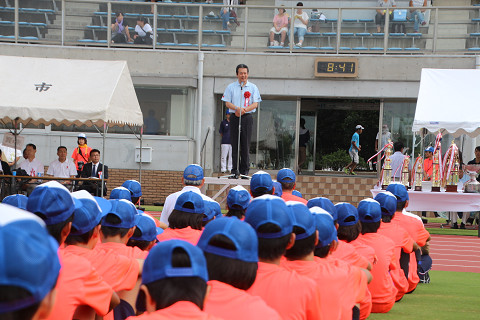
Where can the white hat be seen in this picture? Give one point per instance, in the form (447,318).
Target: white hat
(359,127)
(82,135)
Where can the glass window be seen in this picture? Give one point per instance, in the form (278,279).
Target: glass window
(273,141)
(165,112)
(398,116)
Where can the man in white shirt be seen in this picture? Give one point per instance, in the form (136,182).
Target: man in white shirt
(62,167)
(31,165)
(192,180)
(397,160)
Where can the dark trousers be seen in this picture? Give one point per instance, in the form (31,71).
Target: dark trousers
(380,19)
(245,139)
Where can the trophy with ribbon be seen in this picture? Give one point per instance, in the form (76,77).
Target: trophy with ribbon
(417,174)
(436,173)
(450,168)
(387,167)
(405,172)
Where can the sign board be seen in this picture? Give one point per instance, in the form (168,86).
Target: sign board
(9,141)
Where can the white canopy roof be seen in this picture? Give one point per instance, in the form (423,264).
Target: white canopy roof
(450,100)
(64,91)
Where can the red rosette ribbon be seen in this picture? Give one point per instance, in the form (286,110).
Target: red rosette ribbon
(247,95)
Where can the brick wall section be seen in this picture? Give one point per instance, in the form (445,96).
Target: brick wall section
(156,184)
(336,188)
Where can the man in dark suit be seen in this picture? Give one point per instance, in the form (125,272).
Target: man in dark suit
(94,169)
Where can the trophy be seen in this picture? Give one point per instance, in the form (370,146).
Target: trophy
(451,168)
(418,173)
(387,167)
(436,173)
(405,173)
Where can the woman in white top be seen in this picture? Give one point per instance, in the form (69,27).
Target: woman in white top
(144,32)
(300,24)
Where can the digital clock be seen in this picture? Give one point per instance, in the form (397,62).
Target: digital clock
(336,67)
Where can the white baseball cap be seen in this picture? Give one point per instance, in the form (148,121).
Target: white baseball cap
(359,127)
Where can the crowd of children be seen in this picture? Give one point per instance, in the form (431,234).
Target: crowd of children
(273,255)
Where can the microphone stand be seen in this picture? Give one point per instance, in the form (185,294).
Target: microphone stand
(237,174)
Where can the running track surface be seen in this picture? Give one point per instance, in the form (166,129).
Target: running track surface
(455,253)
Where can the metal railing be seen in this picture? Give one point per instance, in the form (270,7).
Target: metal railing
(200,26)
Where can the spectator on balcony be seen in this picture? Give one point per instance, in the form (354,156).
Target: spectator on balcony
(380,16)
(299,25)
(144,32)
(417,14)
(227,11)
(120,32)
(280,26)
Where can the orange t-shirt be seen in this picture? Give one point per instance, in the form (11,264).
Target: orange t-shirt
(79,284)
(295,297)
(157,222)
(348,253)
(180,310)
(288,196)
(340,285)
(420,235)
(231,303)
(120,272)
(122,249)
(84,157)
(427,168)
(187,234)
(368,253)
(381,287)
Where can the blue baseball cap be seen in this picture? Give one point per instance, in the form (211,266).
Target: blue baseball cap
(261,179)
(16,200)
(286,175)
(147,226)
(429,149)
(193,172)
(104,204)
(318,210)
(121,193)
(301,217)
(190,197)
(212,209)
(399,191)
(87,212)
(388,202)
(240,233)
(297,193)
(269,209)
(347,214)
(326,229)
(124,210)
(134,187)
(238,196)
(158,264)
(52,200)
(278,189)
(325,204)
(369,210)
(29,257)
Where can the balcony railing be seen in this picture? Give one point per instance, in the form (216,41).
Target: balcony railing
(199,26)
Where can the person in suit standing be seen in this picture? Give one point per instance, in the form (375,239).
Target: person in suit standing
(94,169)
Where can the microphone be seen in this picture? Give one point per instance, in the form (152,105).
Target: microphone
(241,86)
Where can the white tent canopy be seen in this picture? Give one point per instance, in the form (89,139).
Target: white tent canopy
(449,99)
(64,91)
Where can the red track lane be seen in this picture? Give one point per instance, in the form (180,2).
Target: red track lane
(455,253)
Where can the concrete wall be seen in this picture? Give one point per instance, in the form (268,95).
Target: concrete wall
(395,77)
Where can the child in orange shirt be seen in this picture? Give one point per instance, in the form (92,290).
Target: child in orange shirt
(238,200)
(347,232)
(185,221)
(30,266)
(79,283)
(174,282)
(287,179)
(230,247)
(338,273)
(145,234)
(136,194)
(382,288)
(294,296)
